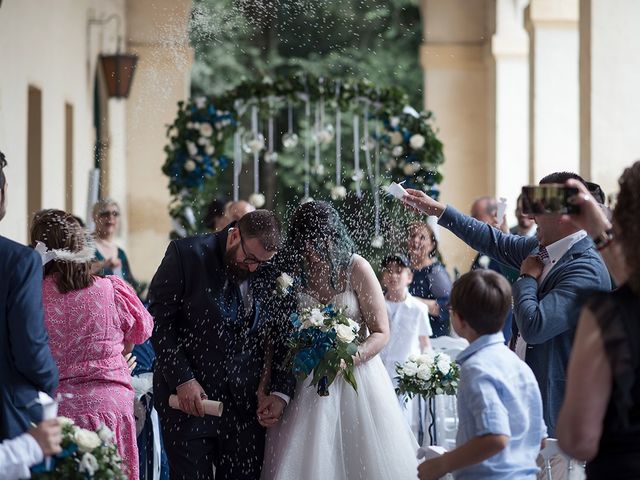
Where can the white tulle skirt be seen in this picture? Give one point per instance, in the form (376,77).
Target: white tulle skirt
(344,436)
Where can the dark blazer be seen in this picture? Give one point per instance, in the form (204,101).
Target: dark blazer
(26,364)
(202,332)
(546,314)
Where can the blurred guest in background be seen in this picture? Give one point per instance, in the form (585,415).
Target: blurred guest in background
(526,226)
(234,211)
(431,283)
(216,219)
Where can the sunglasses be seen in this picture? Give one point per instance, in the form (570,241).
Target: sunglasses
(109,213)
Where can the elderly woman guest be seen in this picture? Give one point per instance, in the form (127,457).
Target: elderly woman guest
(110,259)
(600,418)
(431,282)
(91,320)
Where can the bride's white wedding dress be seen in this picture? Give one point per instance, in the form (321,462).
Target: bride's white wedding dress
(346,435)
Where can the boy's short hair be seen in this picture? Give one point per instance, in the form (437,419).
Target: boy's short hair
(482,298)
(395,259)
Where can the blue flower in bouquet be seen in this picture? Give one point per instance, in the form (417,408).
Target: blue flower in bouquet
(324,344)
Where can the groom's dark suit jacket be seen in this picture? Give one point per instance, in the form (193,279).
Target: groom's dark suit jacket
(26,364)
(202,331)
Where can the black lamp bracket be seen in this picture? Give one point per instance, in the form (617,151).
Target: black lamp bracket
(101,22)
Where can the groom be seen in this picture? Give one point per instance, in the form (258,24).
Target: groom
(210,299)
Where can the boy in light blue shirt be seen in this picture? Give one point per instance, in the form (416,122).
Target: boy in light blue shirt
(501,427)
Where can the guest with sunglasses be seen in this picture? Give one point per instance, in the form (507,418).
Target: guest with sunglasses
(110,258)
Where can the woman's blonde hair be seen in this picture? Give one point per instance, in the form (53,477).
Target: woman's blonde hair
(102,205)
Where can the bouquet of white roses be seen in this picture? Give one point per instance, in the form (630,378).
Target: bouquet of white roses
(427,375)
(324,343)
(85,455)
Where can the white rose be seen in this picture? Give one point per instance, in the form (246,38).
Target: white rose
(345,333)
(192,148)
(338,192)
(105,434)
(355,326)
(410,368)
(396,138)
(257,200)
(88,464)
(87,440)
(425,359)
(306,324)
(206,130)
(395,121)
(397,151)
(416,141)
(189,165)
(284,281)
(209,150)
(424,372)
(201,102)
(414,358)
(316,318)
(65,421)
(444,365)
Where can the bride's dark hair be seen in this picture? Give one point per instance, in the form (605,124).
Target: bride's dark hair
(317,226)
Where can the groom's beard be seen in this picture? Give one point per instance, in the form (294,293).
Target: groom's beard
(235,272)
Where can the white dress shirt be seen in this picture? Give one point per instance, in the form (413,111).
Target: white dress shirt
(17,455)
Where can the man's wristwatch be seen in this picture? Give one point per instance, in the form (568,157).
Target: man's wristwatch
(603,240)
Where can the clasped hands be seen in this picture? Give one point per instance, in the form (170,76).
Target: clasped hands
(270,409)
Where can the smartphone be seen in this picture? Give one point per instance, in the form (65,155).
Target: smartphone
(548,199)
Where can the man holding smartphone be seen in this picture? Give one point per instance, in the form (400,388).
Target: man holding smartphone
(555,266)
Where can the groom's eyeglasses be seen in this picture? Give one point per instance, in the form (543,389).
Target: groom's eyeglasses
(250,259)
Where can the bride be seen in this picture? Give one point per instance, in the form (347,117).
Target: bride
(345,435)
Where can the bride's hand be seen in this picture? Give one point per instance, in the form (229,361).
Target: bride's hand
(270,410)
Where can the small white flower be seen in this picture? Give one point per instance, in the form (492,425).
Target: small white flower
(318,170)
(105,434)
(64,421)
(201,102)
(377,241)
(203,141)
(345,333)
(396,138)
(189,165)
(218,125)
(88,464)
(190,125)
(220,136)
(416,141)
(355,326)
(338,192)
(192,148)
(209,150)
(391,164)
(414,358)
(439,391)
(397,151)
(357,176)
(395,121)
(206,130)
(284,282)
(257,200)
(316,317)
(87,440)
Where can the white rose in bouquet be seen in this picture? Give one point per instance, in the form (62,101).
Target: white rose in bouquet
(425,359)
(345,333)
(105,434)
(88,464)
(65,421)
(355,326)
(416,141)
(316,318)
(410,369)
(424,371)
(414,358)
(444,365)
(284,282)
(87,440)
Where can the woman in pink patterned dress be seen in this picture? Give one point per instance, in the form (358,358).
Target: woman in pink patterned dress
(91,321)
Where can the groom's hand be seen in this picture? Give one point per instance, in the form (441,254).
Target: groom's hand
(270,410)
(190,395)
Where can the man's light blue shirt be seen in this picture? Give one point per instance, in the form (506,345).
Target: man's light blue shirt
(498,394)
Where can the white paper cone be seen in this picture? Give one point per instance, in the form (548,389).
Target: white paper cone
(502,207)
(396,190)
(211,407)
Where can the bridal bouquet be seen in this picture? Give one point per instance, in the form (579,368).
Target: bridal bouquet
(85,455)
(427,375)
(324,344)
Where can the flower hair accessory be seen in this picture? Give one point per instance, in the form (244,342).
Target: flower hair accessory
(85,255)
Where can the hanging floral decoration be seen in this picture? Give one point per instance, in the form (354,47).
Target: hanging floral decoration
(210,134)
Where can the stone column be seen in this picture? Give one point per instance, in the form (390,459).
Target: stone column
(510,48)
(458,88)
(609,83)
(553,98)
(157,33)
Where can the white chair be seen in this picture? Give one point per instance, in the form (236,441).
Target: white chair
(575,470)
